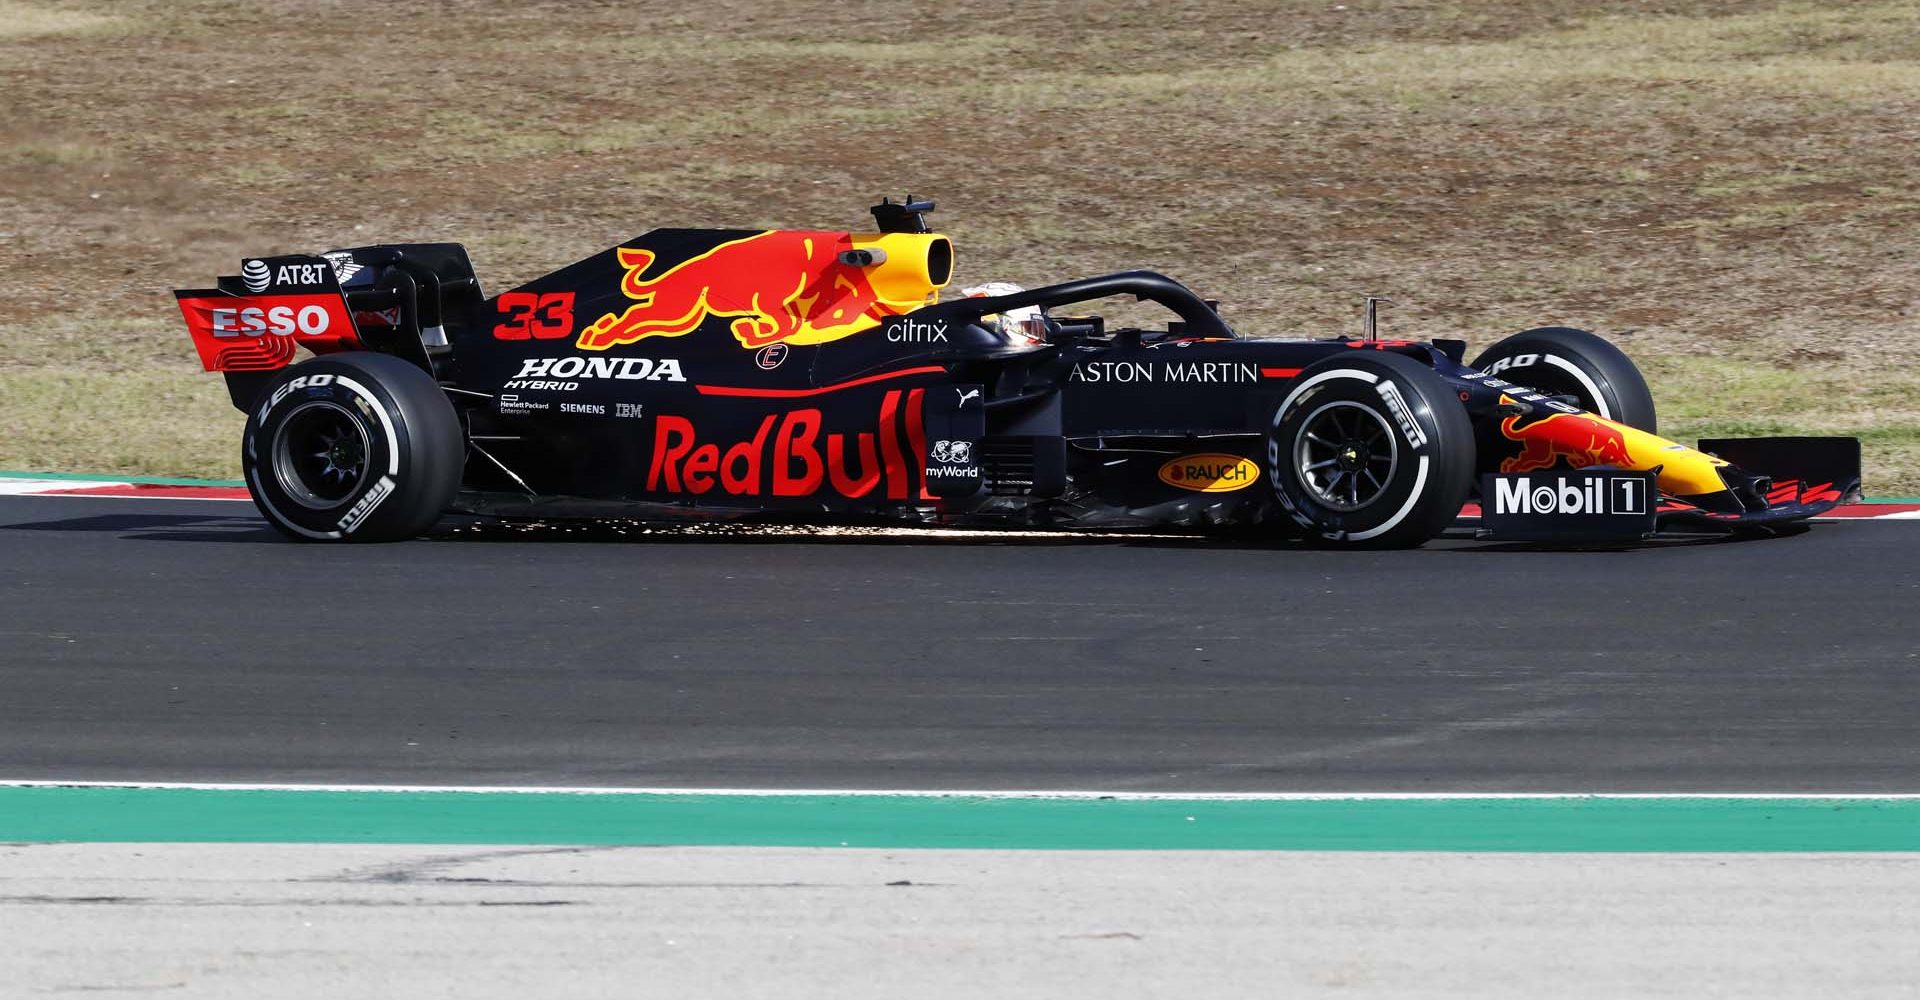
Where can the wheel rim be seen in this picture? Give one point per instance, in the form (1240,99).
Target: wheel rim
(1345,455)
(320,454)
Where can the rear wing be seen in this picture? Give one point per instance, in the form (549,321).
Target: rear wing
(253,321)
(400,299)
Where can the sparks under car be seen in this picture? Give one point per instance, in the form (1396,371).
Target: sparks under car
(822,375)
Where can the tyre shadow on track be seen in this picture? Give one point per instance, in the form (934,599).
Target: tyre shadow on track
(162,527)
(778,533)
(1669,541)
(1461,538)
(228,528)
(246,529)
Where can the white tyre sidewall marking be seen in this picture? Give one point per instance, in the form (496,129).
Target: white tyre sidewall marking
(1402,413)
(1420,469)
(1419,483)
(1586,382)
(260,497)
(393,462)
(1364,376)
(386,423)
(1274,457)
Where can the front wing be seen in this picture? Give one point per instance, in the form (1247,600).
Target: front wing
(1793,478)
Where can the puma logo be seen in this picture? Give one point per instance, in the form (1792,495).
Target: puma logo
(965,394)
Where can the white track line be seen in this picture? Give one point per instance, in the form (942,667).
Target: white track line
(917,793)
(32,487)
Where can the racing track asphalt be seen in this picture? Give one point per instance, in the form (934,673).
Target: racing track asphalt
(148,640)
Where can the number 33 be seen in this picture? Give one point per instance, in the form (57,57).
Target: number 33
(541,316)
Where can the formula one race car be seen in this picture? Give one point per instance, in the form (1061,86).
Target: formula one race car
(801,374)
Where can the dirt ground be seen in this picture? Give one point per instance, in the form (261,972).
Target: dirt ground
(1729,189)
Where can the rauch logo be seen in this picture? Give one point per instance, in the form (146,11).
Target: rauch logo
(1210,473)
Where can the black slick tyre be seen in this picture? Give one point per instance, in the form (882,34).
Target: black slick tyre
(1370,450)
(352,447)
(1563,361)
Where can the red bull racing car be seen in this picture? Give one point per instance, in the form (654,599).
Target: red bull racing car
(815,374)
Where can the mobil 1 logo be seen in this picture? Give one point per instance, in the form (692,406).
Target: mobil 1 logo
(1569,505)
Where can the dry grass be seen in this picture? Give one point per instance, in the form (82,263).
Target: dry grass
(1729,187)
(19,20)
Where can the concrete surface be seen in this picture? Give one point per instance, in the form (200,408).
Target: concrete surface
(247,921)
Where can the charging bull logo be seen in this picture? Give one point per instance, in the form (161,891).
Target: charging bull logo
(1579,438)
(781,286)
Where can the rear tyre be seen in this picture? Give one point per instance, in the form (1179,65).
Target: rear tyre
(352,447)
(1371,450)
(1563,361)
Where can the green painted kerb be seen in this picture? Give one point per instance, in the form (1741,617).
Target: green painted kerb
(1555,824)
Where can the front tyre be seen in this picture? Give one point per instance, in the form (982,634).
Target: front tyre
(1371,450)
(352,447)
(1563,361)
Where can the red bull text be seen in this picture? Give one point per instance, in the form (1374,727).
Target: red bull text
(791,454)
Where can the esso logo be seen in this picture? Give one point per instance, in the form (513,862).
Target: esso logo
(281,321)
(1516,361)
